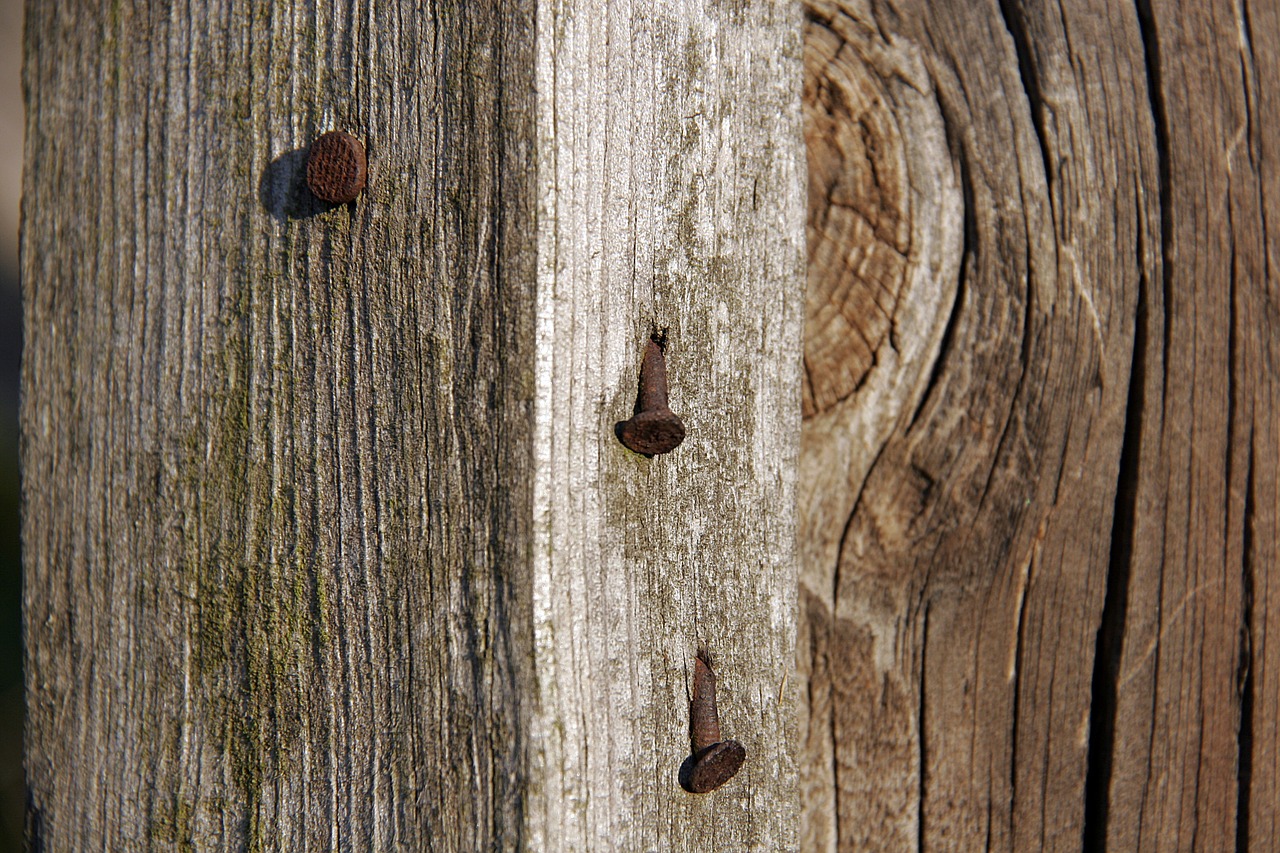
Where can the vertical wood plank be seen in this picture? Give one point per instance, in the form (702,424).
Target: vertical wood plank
(328,539)
(277,454)
(1037,577)
(670,183)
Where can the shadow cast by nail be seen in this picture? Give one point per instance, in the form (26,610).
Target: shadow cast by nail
(686,773)
(620,425)
(283,191)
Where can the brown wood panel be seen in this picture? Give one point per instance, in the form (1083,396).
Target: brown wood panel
(1035,577)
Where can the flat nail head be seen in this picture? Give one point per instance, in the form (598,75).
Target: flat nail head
(654,428)
(716,765)
(336,167)
(653,432)
(714,761)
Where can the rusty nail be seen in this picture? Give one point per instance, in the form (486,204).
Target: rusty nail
(336,167)
(714,761)
(654,428)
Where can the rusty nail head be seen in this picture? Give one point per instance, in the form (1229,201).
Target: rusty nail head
(714,761)
(336,167)
(654,428)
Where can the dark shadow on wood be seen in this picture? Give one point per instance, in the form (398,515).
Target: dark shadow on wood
(282,189)
(1111,630)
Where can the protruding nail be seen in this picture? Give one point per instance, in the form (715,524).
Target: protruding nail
(336,167)
(714,761)
(654,428)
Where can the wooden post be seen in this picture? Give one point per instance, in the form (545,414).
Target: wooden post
(1039,501)
(328,538)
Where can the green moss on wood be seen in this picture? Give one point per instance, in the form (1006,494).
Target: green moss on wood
(173,822)
(261,604)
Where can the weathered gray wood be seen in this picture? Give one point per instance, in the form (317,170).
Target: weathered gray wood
(328,540)
(1039,486)
(671,184)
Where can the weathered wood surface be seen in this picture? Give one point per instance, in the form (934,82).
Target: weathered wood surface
(328,540)
(671,175)
(1039,498)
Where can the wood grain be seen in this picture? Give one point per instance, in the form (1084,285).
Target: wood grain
(1035,573)
(671,177)
(277,455)
(1194,743)
(328,541)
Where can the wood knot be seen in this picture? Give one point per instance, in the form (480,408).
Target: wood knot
(859,234)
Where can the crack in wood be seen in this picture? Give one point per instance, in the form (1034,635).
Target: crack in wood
(1111,628)
(1244,675)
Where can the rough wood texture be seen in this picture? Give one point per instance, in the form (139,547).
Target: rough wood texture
(328,540)
(1039,497)
(671,169)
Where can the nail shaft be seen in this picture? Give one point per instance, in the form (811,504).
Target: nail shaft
(653,379)
(654,428)
(714,761)
(704,719)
